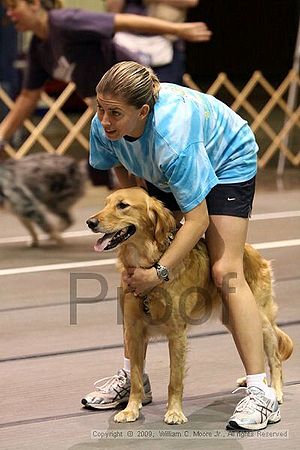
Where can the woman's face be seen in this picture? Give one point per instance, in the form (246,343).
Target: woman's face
(120,119)
(21,13)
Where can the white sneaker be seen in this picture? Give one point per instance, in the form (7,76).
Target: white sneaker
(254,412)
(113,391)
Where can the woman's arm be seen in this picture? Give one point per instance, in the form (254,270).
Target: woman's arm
(124,178)
(196,222)
(194,32)
(195,225)
(127,179)
(22,109)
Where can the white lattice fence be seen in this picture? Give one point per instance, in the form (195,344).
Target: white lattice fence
(259,120)
(36,132)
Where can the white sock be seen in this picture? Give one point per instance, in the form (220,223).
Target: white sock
(126,366)
(259,380)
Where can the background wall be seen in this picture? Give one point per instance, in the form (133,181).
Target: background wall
(93,5)
(248,35)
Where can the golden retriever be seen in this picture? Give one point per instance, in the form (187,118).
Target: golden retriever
(141,228)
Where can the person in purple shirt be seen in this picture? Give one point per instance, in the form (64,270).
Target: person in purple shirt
(170,71)
(75,45)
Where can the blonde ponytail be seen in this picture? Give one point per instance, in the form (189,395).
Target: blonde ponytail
(136,84)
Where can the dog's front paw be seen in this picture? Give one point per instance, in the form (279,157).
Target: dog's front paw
(279,395)
(58,240)
(127,415)
(174,417)
(33,244)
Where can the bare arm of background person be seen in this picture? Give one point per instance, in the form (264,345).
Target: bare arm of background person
(190,31)
(22,109)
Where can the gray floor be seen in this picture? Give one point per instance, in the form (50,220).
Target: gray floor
(47,364)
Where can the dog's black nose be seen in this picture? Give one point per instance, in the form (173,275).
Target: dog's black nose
(92,223)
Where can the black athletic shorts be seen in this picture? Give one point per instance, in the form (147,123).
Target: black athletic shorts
(233,199)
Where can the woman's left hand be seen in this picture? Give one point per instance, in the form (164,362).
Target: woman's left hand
(140,280)
(193,31)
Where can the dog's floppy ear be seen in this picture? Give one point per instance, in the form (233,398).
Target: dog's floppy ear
(161,218)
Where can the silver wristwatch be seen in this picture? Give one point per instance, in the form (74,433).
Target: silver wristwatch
(162,272)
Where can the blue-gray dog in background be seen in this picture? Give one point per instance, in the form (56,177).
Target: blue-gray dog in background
(40,190)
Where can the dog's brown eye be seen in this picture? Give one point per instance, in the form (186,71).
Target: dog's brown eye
(122,205)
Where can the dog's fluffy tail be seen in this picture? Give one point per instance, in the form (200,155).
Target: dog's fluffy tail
(285,344)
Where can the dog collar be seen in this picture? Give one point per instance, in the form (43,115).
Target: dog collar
(171,236)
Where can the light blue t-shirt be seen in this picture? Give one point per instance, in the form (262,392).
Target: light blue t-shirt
(190,143)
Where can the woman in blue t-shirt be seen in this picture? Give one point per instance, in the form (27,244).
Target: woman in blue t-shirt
(76,45)
(199,157)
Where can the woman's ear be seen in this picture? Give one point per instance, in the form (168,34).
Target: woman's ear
(144,111)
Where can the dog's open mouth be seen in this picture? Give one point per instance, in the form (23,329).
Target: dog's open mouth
(110,241)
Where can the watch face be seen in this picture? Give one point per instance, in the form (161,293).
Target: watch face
(164,273)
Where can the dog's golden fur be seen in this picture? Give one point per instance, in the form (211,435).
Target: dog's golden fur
(190,294)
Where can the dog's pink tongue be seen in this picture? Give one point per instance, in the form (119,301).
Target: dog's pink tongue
(102,242)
